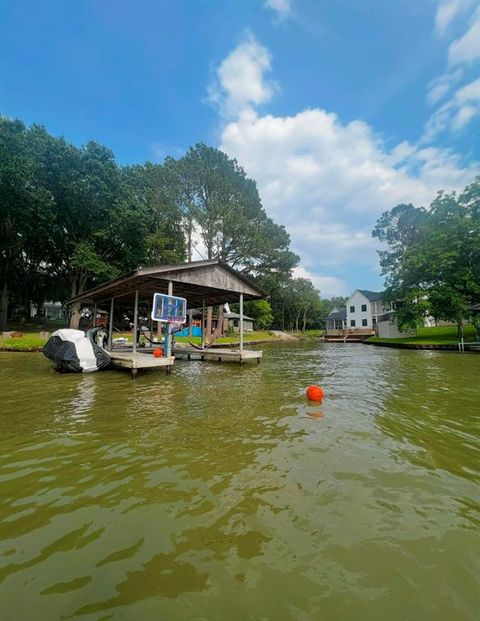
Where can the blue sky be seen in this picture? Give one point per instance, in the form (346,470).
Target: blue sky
(339,110)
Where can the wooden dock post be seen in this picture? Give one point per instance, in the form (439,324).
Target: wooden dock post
(110,327)
(135,321)
(241,327)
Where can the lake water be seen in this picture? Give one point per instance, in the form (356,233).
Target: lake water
(218,493)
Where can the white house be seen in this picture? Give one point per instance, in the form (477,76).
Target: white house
(363,309)
(49,310)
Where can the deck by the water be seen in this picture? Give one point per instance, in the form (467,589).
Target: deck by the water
(218,354)
(126,359)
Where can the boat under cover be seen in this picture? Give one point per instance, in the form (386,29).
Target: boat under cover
(70,350)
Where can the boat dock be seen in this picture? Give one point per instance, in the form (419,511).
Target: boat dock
(140,360)
(200,284)
(218,354)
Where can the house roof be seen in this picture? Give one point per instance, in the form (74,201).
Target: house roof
(211,282)
(372,296)
(237,316)
(337,314)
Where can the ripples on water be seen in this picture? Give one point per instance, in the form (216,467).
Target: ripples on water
(219,493)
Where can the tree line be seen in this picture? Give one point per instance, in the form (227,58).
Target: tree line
(72,218)
(432,258)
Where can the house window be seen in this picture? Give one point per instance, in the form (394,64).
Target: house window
(364,322)
(352,323)
(364,308)
(352,309)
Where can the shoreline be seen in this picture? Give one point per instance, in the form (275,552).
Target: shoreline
(428,346)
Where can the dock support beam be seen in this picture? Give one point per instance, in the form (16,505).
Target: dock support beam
(167,348)
(135,321)
(94,321)
(110,327)
(203,324)
(241,325)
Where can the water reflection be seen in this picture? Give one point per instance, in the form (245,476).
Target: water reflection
(84,400)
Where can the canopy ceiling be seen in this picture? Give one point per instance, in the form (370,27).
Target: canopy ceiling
(211,282)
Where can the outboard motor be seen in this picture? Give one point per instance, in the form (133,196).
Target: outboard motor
(71,350)
(97,335)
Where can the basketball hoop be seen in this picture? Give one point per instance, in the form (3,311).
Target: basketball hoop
(171,310)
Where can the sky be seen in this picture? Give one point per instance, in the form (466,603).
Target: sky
(339,110)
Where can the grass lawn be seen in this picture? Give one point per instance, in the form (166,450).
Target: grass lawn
(308,334)
(431,336)
(28,342)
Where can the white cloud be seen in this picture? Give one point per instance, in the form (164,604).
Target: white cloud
(328,181)
(439,87)
(446,13)
(329,286)
(282,8)
(463,104)
(457,112)
(467,48)
(463,117)
(240,81)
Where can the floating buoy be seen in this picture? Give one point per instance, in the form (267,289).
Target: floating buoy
(158,352)
(315,393)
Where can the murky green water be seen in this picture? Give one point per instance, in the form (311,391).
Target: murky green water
(217,494)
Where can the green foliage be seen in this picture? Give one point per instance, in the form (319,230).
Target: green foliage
(223,206)
(72,218)
(432,260)
(261,312)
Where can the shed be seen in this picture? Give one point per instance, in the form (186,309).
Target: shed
(233,321)
(387,327)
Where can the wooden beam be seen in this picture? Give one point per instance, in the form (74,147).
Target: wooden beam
(135,321)
(241,324)
(110,326)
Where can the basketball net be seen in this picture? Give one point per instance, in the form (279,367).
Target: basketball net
(175,325)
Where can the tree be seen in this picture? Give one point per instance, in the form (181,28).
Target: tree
(261,312)
(27,214)
(222,204)
(156,189)
(72,218)
(305,302)
(432,259)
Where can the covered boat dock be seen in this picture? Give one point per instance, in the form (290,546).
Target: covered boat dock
(201,283)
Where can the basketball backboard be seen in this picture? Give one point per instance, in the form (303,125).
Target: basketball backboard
(169,308)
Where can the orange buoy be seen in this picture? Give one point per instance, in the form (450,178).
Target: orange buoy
(315,393)
(158,352)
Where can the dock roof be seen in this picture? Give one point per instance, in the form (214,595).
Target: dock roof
(211,282)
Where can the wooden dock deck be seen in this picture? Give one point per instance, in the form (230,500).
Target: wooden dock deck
(127,359)
(218,354)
